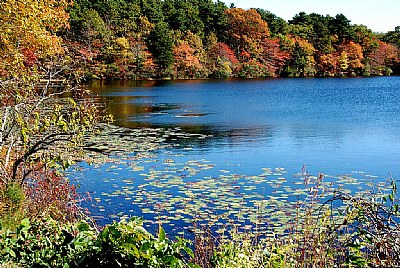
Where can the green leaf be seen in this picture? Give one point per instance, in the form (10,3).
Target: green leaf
(161,234)
(25,223)
(24,134)
(12,253)
(83,226)
(192,265)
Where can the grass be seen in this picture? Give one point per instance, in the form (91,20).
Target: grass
(12,208)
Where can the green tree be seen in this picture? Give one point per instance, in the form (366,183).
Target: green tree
(300,30)
(161,46)
(393,37)
(366,38)
(276,24)
(318,33)
(120,16)
(214,18)
(302,63)
(183,15)
(340,26)
(151,9)
(93,29)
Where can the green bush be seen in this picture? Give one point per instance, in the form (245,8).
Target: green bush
(44,243)
(130,245)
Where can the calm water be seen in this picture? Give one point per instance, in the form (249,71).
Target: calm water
(334,126)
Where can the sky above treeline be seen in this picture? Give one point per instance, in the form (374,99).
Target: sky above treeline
(378,15)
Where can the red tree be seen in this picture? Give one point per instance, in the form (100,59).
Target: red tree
(221,60)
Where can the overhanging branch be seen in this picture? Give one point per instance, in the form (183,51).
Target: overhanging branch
(39,146)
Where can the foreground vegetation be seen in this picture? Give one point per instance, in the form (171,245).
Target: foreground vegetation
(342,231)
(43,242)
(45,120)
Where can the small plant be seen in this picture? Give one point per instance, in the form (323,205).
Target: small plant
(12,200)
(374,221)
(50,194)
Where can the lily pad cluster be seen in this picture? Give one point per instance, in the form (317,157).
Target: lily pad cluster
(136,172)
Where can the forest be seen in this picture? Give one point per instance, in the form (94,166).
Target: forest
(183,39)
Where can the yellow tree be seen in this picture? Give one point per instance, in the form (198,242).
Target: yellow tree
(343,61)
(329,65)
(189,56)
(354,57)
(27,32)
(302,62)
(39,130)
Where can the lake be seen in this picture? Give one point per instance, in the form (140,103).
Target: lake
(246,136)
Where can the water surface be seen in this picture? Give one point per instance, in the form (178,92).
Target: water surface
(337,126)
(333,125)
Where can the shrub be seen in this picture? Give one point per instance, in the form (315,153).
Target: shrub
(45,243)
(128,244)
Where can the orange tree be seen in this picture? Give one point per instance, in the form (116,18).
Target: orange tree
(246,30)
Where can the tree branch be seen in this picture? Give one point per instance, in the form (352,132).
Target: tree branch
(3,125)
(38,146)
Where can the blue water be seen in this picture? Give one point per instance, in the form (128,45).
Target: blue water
(336,126)
(333,125)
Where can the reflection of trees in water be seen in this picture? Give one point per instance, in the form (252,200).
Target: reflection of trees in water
(134,104)
(129,110)
(126,109)
(213,137)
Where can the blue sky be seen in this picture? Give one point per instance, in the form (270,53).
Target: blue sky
(378,15)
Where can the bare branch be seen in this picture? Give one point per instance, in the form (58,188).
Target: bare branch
(9,151)
(39,146)
(3,125)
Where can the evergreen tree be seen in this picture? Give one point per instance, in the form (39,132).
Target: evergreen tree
(161,45)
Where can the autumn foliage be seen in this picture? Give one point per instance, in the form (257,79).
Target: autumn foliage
(43,113)
(27,32)
(386,56)
(189,39)
(246,29)
(221,61)
(198,39)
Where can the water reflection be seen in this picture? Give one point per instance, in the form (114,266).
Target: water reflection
(335,125)
(135,109)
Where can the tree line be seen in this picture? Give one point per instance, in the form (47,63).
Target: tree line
(141,39)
